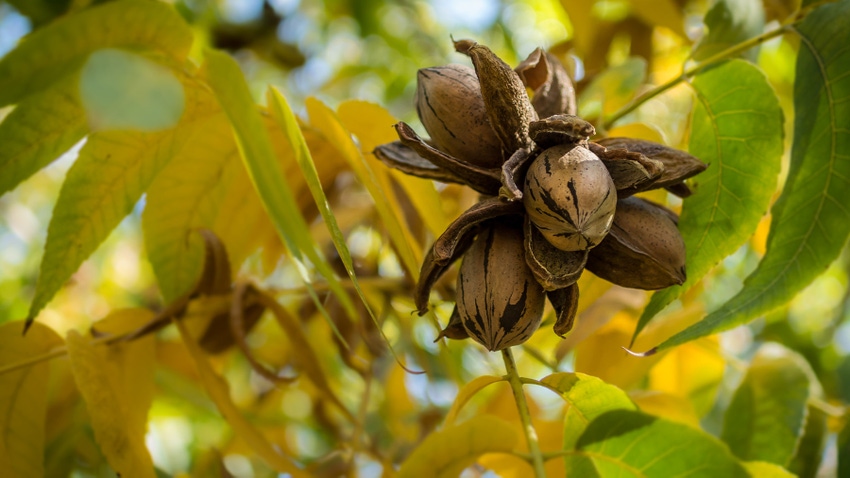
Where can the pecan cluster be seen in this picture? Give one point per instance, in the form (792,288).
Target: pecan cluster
(553,202)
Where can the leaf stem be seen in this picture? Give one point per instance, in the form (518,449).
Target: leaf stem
(693,70)
(524,415)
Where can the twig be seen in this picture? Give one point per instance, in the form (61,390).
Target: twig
(524,415)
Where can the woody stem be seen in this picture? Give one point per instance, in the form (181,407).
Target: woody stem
(524,415)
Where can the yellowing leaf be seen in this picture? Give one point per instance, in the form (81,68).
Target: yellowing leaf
(467,392)
(447,452)
(375,180)
(664,13)
(587,398)
(187,195)
(123,90)
(763,469)
(372,125)
(49,54)
(38,131)
(132,364)
(23,399)
(267,174)
(219,392)
(613,88)
(583,23)
(693,371)
(637,131)
(666,405)
(106,377)
(112,172)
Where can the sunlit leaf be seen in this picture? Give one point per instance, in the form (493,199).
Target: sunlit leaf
(467,392)
(583,23)
(738,133)
(51,53)
(23,399)
(267,173)
(693,371)
(730,22)
(630,443)
(373,126)
(219,391)
(447,452)
(38,131)
(809,452)
(186,196)
(667,406)
(664,13)
(767,415)
(811,220)
(763,469)
(131,365)
(106,382)
(375,180)
(112,172)
(612,89)
(637,131)
(587,397)
(123,90)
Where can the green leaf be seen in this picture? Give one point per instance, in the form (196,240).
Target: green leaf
(38,131)
(376,182)
(807,457)
(445,453)
(102,187)
(844,451)
(730,22)
(23,398)
(767,415)
(630,443)
(811,220)
(267,174)
(467,392)
(738,132)
(123,90)
(588,397)
(612,89)
(49,54)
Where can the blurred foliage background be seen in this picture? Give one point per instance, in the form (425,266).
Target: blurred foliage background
(370,50)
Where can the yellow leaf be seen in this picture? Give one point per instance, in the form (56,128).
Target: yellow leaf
(219,392)
(110,175)
(447,452)
(666,405)
(23,399)
(38,131)
(583,23)
(116,383)
(763,469)
(376,181)
(692,371)
(188,195)
(664,13)
(637,131)
(400,413)
(132,363)
(467,392)
(49,54)
(372,125)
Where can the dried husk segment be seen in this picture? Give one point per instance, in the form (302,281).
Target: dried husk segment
(499,302)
